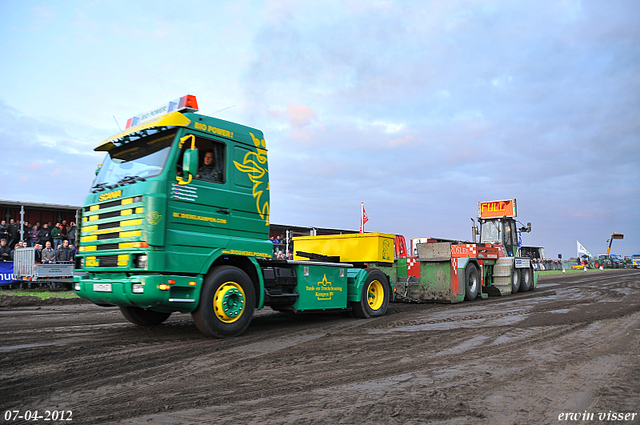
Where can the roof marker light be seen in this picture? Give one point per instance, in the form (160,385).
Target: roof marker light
(186,103)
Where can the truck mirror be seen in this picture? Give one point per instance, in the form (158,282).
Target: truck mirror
(528,227)
(190,162)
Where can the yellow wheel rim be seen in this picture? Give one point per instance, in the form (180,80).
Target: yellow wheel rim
(375,295)
(228,302)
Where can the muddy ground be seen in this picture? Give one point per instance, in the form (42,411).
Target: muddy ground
(572,346)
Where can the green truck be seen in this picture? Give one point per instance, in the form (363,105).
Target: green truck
(177,220)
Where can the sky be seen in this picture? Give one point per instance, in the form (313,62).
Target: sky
(420,109)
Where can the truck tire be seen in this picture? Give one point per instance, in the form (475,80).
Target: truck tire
(226,303)
(526,279)
(375,296)
(141,317)
(471,283)
(515,280)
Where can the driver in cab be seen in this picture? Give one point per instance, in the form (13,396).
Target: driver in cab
(207,171)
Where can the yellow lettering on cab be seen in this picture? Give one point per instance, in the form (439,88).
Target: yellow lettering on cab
(110,195)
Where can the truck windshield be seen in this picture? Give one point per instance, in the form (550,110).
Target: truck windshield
(134,161)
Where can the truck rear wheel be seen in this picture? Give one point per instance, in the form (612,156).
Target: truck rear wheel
(141,317)
(515,280)
(374,297)
(526,279)
(471,283)
(226,303)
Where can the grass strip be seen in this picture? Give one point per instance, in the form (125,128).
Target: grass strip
(42,293)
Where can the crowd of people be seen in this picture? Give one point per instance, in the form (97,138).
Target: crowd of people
(540,264)
(279,248)
(53,244)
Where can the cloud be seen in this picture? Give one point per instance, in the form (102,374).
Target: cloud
(42,166)
(301,117)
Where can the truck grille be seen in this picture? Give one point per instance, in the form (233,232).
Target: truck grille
(111,226)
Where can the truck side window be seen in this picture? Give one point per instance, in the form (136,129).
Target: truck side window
(211,160)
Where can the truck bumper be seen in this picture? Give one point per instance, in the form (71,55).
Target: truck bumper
(157,292)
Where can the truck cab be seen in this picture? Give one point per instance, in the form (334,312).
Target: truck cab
(158,217)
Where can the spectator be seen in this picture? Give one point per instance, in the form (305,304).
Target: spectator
(276,246)
(38,254)
(48,253)
(33,236)
(18,245)
(56,235)
(64,230)
(5,251)
(25,230)
(14,232)
(4,230)
(64,253)
(72,233)
(44,234)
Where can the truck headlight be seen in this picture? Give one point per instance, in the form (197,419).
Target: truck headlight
(76,286)
(141,261)
(137,288)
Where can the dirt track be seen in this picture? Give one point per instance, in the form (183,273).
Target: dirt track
(572,346)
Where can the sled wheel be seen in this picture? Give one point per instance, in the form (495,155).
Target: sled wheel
(226,303)
(471,282)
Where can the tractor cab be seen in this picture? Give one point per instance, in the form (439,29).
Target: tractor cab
(500,231)
(498,225)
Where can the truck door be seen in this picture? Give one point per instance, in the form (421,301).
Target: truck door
(199,209)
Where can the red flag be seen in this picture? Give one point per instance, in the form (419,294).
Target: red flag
(363,218)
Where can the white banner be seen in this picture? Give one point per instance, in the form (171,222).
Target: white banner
(582,250)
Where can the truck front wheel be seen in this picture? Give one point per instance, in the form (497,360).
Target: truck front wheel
(226,303)
(141,317)
(374,297)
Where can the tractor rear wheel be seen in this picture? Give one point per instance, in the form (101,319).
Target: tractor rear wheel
(515,280)
(526,279)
